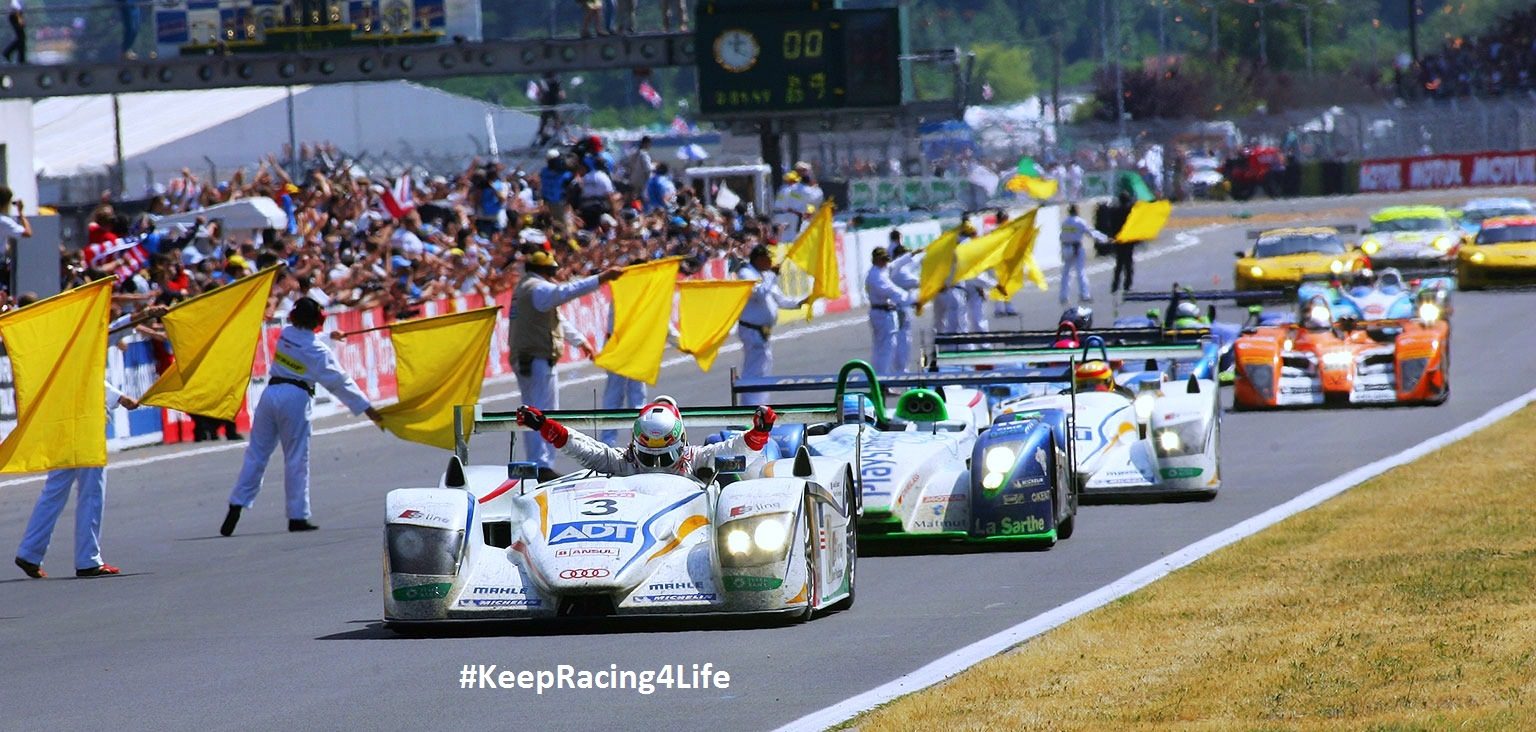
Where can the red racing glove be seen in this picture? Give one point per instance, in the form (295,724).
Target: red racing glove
(551,430)
(762,422)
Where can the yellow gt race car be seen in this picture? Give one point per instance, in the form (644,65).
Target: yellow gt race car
(1282,258)
(1504,253)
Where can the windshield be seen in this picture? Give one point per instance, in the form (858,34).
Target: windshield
(1298,244)
(1483,214)
(1506,234)
(1415,223)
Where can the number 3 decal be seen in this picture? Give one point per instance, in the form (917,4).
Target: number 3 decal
(600,507)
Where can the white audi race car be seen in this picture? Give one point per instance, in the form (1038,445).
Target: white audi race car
(489,542)
(935,466)
(1157,432)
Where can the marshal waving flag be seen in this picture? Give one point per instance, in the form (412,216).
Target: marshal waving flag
(815,252)
(58,351)
(707,311)
(938,265)
(213,337)
(1018,262)
(439,364)
(642,307)
(985,252)
(1145,221)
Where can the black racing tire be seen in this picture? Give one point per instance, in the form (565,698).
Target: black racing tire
(852,545)
(1066,527)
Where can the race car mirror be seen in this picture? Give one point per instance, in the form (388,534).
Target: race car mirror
(519,470)
(1240,255)
(730,463)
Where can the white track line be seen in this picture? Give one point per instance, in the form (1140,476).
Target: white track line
(975,653)
(1186,240)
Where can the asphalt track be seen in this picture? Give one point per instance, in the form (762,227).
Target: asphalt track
(269,629)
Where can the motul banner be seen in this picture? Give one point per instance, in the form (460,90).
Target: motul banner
(1449,171)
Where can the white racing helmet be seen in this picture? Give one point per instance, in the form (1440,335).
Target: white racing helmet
(659,437)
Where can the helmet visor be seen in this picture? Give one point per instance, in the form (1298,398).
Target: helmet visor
(659,460)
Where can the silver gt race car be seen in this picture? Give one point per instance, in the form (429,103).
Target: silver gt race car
(489,542)
(935,466)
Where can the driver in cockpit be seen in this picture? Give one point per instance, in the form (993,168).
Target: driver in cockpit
(658,444)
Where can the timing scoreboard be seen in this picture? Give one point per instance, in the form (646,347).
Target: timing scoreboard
(768,56)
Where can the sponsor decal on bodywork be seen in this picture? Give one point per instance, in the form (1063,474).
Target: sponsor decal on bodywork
(585,573)
(588,551)
(1181,472)
(742,583)
(578,531)
(683,597)
(432,591)
(501,602)
(414,514)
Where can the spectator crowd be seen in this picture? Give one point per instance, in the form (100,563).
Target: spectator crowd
(1498,62)
(351,240)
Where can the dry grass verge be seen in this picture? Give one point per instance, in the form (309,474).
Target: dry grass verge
(1407,603)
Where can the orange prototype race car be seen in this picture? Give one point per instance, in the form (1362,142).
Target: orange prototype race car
(1317,361)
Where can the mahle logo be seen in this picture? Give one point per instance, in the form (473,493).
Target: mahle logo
(752,584)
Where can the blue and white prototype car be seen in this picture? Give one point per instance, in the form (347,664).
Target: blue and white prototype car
(936,466)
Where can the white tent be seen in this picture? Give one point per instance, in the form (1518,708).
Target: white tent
(229,128)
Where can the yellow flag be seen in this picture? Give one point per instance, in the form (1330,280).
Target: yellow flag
(938,264)
(1040,189)
(214,338)
(642,307)
(985,252)
(439,364)
(1018,262)
(815,251)
(707,311)
(58,350)
(1145,222)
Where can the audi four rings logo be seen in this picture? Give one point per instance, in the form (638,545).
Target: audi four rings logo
(588,573)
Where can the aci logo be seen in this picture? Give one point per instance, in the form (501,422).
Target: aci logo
(567,533)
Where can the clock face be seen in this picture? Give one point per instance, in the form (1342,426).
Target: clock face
(736,50)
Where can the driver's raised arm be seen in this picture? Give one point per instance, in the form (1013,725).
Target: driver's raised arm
(591,454)
(742,443)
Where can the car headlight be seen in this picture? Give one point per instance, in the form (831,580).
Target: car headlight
(1338,359)
(1320,313)
(1143,405)
(770,535)
(756,541)
(1287,345)
(1478,257)
(1256,271)
(1429,312)
(738,542)
(1444,243)
(1169,441)
(1336,266)
(1370,246)
(999,459)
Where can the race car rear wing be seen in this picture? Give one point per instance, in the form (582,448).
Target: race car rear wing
(912,380)
(1174,351)
(471,420)
(945,342)
(1177,294)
